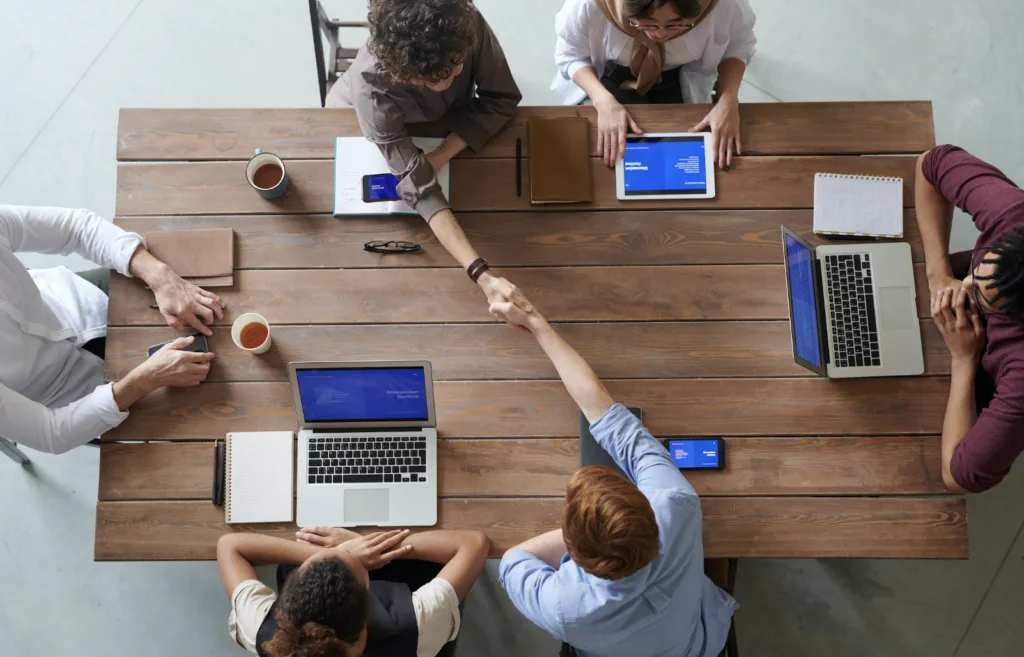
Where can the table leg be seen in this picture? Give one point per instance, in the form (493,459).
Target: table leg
(8,448)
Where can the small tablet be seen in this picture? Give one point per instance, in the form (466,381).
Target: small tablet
(666,166)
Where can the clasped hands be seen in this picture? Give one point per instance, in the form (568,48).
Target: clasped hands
(372,550)
(958,320)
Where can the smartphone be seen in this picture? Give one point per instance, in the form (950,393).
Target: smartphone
(379,187)
(697,453)
(198,345)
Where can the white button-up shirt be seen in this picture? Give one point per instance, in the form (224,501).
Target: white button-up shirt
(585,37)
(52,396)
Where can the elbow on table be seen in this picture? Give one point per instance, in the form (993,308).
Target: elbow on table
(950,481)
(479,543)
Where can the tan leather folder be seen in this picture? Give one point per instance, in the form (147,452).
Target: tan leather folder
(205,257)
(559,160)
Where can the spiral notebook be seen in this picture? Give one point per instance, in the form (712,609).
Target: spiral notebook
(259,472)
(861,206)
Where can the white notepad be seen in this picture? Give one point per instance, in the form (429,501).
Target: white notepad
(355,157)
(259,472)
(867,206)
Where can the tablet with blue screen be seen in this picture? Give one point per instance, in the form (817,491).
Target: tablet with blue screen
(666,166)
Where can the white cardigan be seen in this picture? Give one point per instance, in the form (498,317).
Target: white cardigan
(587,38)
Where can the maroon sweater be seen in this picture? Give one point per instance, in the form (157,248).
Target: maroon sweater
(985,455)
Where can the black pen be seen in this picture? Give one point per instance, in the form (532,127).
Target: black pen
(519,166)
(216,470)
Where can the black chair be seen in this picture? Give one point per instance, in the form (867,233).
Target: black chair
(337,59)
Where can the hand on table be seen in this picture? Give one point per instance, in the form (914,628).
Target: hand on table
(373,550)
(184,304)
(724,120)
(170,366)
(938,285)
(613,123)
(959,325)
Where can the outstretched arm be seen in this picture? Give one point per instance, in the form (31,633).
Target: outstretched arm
(935,221)
(581,382)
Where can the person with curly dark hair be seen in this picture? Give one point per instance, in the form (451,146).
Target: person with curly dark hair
(974,295)
(345,595)
(431,61)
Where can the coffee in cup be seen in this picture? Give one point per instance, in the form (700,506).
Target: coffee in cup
(251,333)
(267,175)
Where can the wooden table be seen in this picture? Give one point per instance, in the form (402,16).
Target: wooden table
(680,306)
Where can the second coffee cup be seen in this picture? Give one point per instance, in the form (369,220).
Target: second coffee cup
(251,333)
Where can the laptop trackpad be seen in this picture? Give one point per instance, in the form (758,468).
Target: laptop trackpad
(367,506)
(896,308)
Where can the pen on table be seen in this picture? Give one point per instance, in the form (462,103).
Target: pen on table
(519,166)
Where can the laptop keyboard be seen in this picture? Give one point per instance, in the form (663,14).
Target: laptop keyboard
(854,325)
(367,460)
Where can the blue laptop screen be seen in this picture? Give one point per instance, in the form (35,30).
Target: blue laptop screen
(363,395)
(664,165)
(806,338)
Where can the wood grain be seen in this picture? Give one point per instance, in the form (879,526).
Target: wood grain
(768,129)
(480,185)
(628,350)
(903,465)
(543,409)
(271,241)
(766,527)
(446,295)
(563,294)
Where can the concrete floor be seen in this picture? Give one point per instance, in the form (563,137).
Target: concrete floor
(68,67)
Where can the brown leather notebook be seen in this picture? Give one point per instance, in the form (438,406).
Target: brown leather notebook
(559,160)
(205,257)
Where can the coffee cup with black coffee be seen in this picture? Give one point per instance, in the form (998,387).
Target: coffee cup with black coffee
(266,173)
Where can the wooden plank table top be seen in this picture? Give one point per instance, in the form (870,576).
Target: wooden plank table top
(679,305)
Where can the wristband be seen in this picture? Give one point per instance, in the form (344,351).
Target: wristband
(476,268)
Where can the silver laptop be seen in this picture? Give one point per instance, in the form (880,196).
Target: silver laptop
(367,444)
(853,308)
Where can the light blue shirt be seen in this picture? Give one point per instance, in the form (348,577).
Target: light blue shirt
(668,607)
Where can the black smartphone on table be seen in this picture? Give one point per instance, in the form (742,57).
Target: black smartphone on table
(379,187)
(697,453)
(198,345)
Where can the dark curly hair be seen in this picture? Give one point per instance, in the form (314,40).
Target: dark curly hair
(421,39)
(322,611)
(1008,277)
(644,8)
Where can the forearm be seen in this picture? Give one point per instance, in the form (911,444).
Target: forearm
(549,547)
(238,554)
(452,238)
(134,386)
(934,221)
(577,376)
(463,553)
(730,75)
(437,546)
(147,268)
(961,414)
(586,79)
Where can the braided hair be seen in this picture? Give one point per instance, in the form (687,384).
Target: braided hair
(1008,277)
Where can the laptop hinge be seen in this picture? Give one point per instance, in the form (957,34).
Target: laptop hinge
(819,290)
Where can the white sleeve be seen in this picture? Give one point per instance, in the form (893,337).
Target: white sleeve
(250,604)
(66,231)
(437,616)
(572,44)
(58,430)
(742,40)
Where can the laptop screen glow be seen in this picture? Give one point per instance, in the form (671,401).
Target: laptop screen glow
(801,265)
(363,395)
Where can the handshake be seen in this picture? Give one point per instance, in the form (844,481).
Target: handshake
(508,304)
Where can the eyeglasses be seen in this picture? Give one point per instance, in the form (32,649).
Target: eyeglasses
(654,27)
(391,246)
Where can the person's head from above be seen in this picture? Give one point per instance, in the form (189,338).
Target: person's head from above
(662,20)
(996,279)
(422,42)
(607,524)
(323,609)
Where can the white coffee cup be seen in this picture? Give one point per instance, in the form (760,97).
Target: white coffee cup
(244,321)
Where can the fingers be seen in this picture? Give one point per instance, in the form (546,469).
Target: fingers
(729,146)
(623,130)
(946,308)
(203,313)
(520,300)
(198,356)
(173,322)
(391,539)
(716,143)
(312,539)
(633,126)
(976,325)
(500,308)
(193,321)
(960,310)
(723,148)
(700,127)
(739,145)
(179,343)
(397,553)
